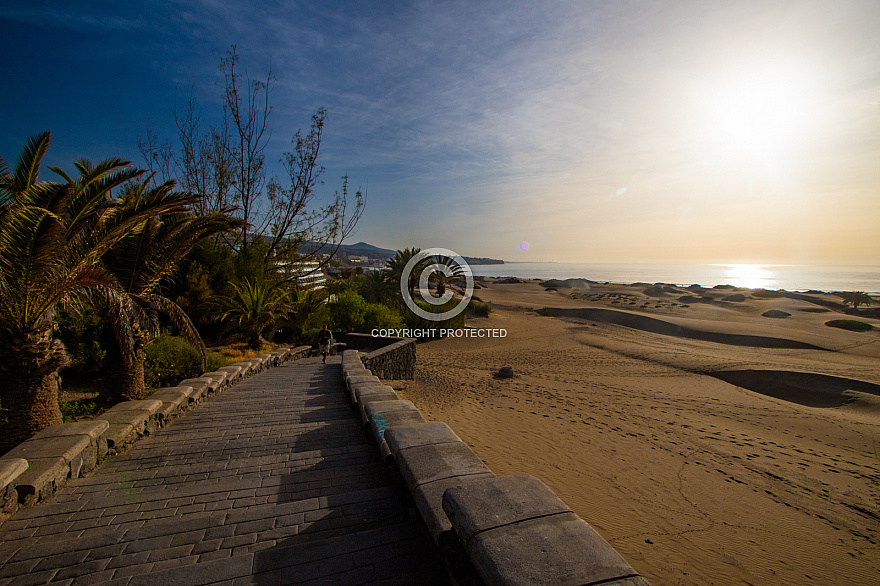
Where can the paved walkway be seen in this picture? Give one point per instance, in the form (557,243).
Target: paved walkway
(270,482)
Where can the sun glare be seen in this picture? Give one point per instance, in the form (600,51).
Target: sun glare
(760,113)
(750,276)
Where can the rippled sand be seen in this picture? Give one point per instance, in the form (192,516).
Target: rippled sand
(702,462)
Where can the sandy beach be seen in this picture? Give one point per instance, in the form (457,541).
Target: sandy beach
(707,443)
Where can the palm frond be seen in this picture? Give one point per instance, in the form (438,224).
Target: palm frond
(28,168)
(182,322)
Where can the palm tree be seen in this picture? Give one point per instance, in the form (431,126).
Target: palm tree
(856,298)
(52,236)
(458,273)
(397,263)
(140,262)
(374,287)
(254,306)
(304,302)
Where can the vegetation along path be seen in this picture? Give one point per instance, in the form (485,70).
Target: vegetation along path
(272,481)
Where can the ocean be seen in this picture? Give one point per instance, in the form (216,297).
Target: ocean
(789,277)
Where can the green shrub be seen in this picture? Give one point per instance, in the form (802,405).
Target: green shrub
(479,308)
(85,339)
(776,313)
(73,409)
(381,316)
(170,359)
(416,322)
(766,294)
(850,324)
(347,312)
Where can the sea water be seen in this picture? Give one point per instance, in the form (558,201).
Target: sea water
(789,277)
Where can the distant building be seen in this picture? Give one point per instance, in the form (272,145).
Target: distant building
(308,274)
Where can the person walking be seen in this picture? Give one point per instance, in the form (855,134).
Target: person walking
(324,342)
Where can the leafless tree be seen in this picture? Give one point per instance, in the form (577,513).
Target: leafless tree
(226,167)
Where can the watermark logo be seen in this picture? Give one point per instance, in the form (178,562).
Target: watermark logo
(459,269)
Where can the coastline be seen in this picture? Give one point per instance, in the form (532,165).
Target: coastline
(700,459)
(789,277)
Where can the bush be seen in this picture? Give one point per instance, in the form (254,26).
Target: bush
(850,324)
(381,316)
(351,313)
(71,410)
(347,312)
(85,339)
(776,313)
(766,294)
(415,322)
(479,308)
(170,359)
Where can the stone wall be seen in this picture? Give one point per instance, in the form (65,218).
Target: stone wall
(488,529)
(387,358)
(35,469)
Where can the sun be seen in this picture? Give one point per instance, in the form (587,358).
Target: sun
(760,113)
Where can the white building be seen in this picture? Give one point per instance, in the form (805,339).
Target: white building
(309,274)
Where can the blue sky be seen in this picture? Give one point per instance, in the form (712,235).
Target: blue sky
(595,131)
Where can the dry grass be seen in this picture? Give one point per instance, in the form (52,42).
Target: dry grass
(237,352)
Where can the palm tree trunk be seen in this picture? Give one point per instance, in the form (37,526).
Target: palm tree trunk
(255,342)
(124,378)
(29,390)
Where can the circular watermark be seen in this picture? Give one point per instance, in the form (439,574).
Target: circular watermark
(462,270)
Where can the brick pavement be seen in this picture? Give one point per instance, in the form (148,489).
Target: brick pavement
(272,481)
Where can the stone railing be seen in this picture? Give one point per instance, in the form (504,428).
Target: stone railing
(38,467)
(494,530)
(388,358)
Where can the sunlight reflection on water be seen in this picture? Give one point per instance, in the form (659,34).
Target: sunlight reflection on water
(750,276)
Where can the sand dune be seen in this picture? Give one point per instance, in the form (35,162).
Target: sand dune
(702,462)
(804,388)
(658,326)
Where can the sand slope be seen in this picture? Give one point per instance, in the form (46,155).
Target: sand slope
(701,462)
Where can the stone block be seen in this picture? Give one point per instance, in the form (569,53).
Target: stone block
(186,390)
(10,470)
(382,422)
(422,464)
(380,393)
(233,373)
(130,420)
(200,388)
(370,408)
(428,499)
(559,549)
(256,364)
(94,429)
(69,448)
(212,383)
(150,405)
(364,386)
(350,379)
(299,352)
(498,502)
(217,374)
(420,434)
(174,402)
(42,477)
(247,368)
(120,435)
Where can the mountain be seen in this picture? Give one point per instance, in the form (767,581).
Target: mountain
(368,247)
(375,253)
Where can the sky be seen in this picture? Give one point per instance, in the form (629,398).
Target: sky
(579,131)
